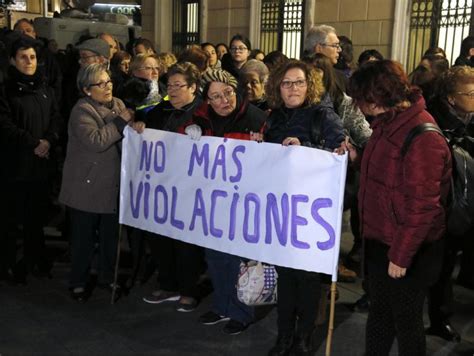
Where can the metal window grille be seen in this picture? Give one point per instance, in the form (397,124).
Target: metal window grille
(185,24)
(438,23)
(282,26)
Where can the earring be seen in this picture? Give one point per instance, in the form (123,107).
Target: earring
(89,94)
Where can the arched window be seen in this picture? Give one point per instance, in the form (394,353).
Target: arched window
(438,23)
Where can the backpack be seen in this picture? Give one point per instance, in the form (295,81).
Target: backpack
(460,213)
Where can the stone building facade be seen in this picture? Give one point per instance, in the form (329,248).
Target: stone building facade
(380,24)
(369,23)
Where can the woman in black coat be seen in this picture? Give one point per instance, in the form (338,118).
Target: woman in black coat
(29,127)
(453,107)
(180,264)
(300,115)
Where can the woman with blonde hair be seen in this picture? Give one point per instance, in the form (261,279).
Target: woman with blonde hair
(142,91)
(301,115)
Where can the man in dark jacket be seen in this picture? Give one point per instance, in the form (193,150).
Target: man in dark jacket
(323,39)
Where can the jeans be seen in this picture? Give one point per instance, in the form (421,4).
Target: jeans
(224,269)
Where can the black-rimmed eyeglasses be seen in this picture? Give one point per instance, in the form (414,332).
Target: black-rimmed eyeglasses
(101,85)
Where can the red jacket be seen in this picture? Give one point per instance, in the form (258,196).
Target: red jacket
(402,200)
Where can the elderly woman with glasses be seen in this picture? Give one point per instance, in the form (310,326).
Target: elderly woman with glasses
(180,263)
(142,92)
(90,184)
(225,113)
(453,109)
(301,115)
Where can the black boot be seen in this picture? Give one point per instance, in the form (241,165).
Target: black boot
(444,330)
(282,346)
(303,345)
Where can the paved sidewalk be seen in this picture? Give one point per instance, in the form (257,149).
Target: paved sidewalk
(41,319)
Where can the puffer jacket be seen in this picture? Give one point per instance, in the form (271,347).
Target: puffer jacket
(91,173)
(402,200)
(283,123)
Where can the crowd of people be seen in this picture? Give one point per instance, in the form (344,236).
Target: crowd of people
(62,116)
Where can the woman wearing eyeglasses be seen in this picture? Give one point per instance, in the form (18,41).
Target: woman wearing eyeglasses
(225,113)
(142,91)
(91,174)
(180,263)
(453,109)
(239,52)
(301,115)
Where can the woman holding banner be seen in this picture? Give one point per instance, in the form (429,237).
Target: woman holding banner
(91,175)
(225,113)
(402,204)
(179,263)
(301,115)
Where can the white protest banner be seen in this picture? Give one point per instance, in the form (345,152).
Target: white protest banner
(262,201)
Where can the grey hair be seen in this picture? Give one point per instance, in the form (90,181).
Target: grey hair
(88,75)
(317,35)
(256,66)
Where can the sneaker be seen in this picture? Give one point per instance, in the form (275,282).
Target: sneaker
(211,318)
(234,327)
(187,307)
(161,296)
